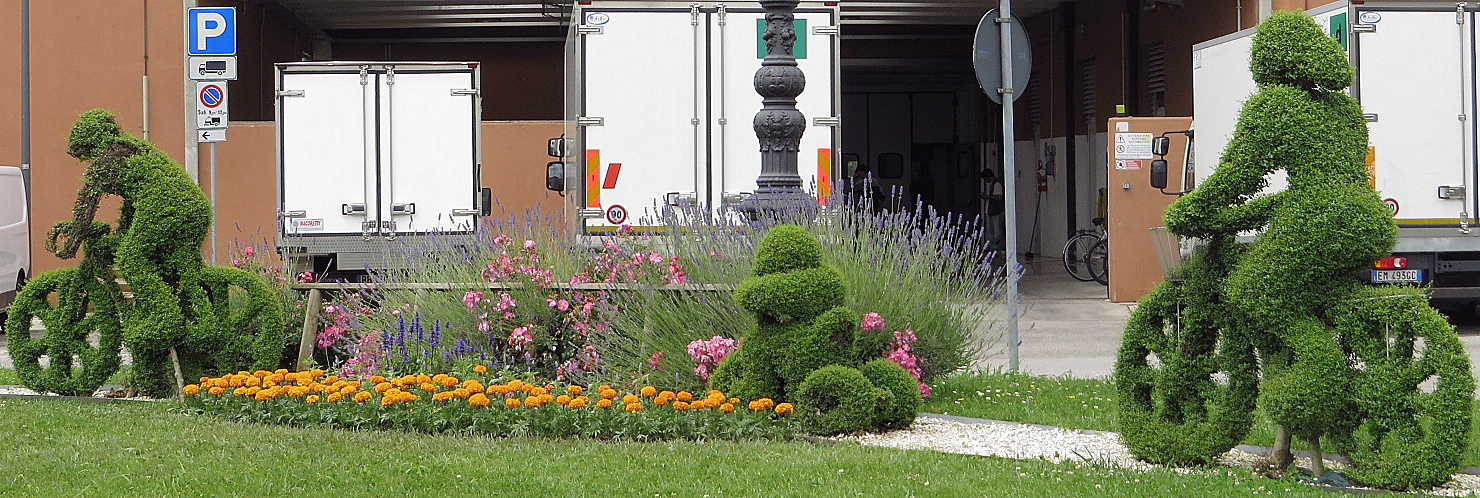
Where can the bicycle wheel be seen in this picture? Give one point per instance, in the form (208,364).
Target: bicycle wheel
(1075,250)
(86,305)
(1097,261)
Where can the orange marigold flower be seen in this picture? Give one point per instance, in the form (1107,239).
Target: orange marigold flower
(516,384)
(727,407)
(312,398)
(533,402)
(634,407)
(376,379)
(685,396)
(333,397)
(261,373)
(437,379)
(668,394)
(265,395)
(661,400)
(538,391)
(462,392)
(191,390)
(423,378)
(250,381)
(388,400)
(450,381)
(604,403)
(204,380)
(629,399)
(217,390)
(442,397)
(383,387)
(512,402)
(574,390)
(783,408)
(274,378)
(428,387)
(480,369)
(734,401)
(578,402)
(362,396)
(563,399)
(648,391)
(608,394)
(479,400)
(473,385)
(298,391)
(680,405)
(281,371)
(240,391)
(332,379)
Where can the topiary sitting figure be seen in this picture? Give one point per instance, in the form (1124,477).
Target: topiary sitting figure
(804,327)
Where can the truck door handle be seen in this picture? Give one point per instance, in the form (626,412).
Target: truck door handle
(351,209)
(406,208)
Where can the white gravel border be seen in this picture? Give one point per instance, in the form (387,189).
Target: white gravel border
(1033,442)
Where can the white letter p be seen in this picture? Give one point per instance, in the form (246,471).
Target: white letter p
(208,25)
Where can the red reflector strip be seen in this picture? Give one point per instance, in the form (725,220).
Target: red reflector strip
(593,178)
(612,170)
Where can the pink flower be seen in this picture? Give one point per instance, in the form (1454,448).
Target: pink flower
(655,360)
(710,353)
(529,245)
(520,336)
(471,299)
(655,258)
(872,321)
(236,262)
(249,251)
(501,239)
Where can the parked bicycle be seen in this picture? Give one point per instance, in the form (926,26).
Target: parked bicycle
(1086,253)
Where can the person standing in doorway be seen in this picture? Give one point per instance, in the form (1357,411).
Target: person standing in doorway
(992,192)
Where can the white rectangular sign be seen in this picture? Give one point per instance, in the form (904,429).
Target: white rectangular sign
(210,105)
(210,135)
(1133,146)
(212,68)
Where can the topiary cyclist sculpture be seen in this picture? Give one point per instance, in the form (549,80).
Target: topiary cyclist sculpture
(213,319)
(1285,317)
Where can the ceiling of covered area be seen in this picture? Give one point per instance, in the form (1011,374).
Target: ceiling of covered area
(332,16)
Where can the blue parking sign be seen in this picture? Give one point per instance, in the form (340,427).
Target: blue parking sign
(212,31)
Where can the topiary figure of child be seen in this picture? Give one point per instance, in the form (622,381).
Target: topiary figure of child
(803,327)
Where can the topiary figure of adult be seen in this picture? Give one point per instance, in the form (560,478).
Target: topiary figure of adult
(803,327)
(178,304)
(1335,358)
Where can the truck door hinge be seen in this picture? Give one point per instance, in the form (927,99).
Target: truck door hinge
(1370,117)
(587,29)
(1364,28)
(825,30)
(590,121)
(1451,191)
(464,91)
(590,213)
(827,121)
(295,213)
(681,199)
(390,75)
(721,8)
(364,75)
(694,14)
(1459,13)
(290,93)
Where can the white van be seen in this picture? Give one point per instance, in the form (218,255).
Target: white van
(15,236)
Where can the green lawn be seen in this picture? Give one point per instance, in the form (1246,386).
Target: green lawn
(1074,403)
(71,448)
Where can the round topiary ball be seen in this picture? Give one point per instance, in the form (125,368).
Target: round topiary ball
(889,376)
(835,399)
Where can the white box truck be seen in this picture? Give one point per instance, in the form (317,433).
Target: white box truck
(372,152)
(1416,81)
(15,236)
(660,98)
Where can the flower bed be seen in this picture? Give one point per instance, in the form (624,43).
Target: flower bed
(481,404)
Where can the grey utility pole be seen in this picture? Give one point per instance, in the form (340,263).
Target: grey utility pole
(779,125)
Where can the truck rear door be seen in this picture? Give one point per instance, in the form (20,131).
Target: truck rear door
(323,122)
(1416,81)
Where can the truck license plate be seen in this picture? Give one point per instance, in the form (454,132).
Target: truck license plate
(1396,276)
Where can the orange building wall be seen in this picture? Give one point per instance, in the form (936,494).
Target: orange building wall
(10,86)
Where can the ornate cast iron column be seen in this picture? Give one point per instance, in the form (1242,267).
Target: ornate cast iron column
(779,125)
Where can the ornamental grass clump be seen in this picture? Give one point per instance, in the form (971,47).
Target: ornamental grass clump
(482,403)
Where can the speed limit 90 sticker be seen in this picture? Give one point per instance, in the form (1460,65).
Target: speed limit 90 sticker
(1392,205)
(616,214)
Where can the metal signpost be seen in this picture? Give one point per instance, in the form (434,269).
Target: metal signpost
(1003,58)
(210,49)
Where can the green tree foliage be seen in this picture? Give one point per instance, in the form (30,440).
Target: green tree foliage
(1329,367)
(803,327)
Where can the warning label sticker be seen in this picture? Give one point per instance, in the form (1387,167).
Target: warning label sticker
(1133,146)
